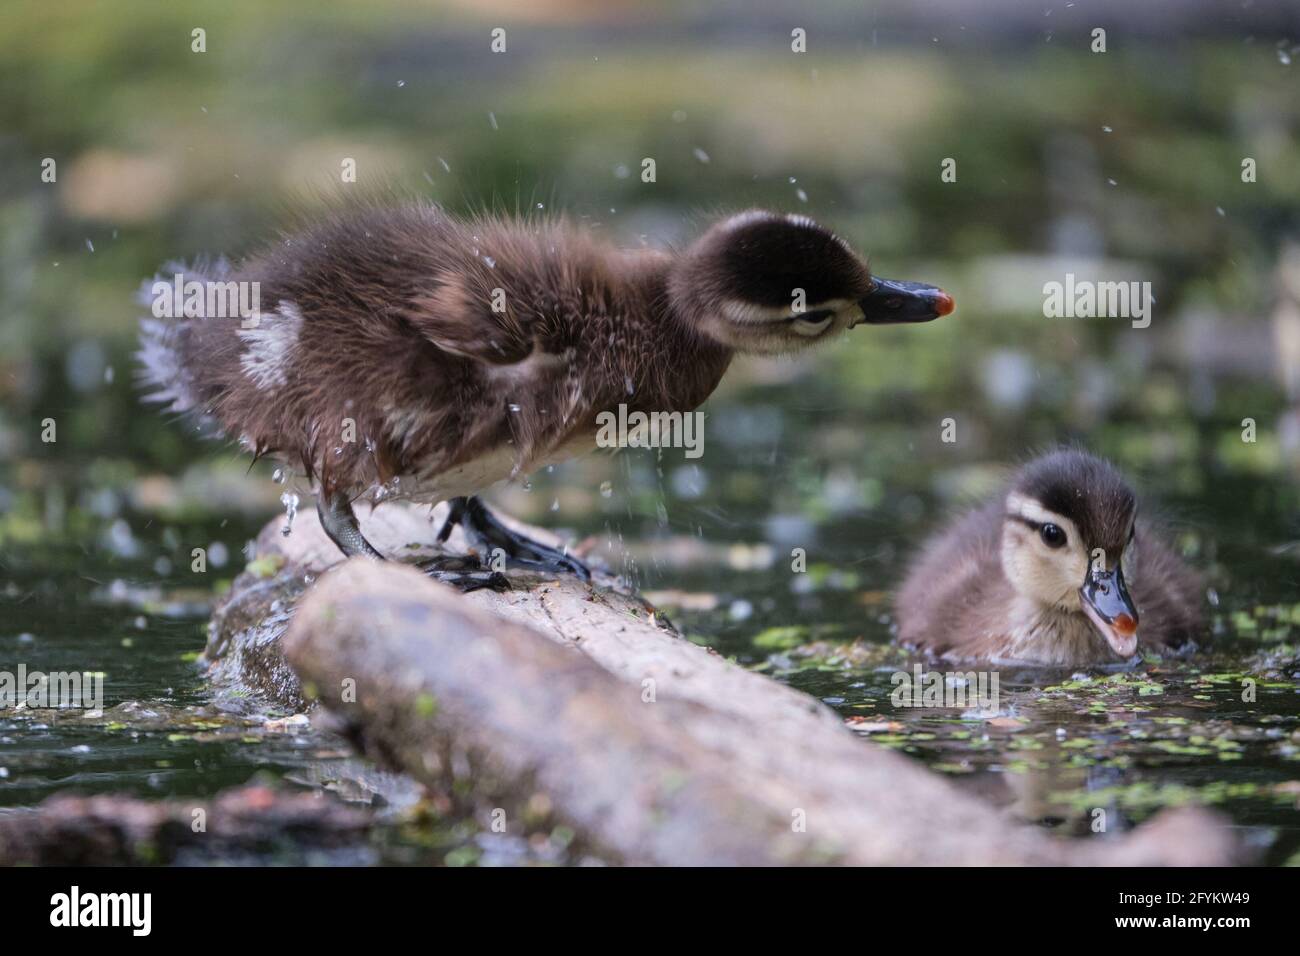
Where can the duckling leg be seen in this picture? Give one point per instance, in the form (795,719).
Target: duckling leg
(340,523)
(486,533)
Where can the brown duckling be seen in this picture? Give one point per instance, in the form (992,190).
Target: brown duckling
(1056,570)
(401,353)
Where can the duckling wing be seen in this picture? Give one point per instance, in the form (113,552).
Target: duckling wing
(504,295)
(957,576)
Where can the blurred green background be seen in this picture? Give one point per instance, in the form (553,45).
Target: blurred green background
(1126,163)
(1065,159)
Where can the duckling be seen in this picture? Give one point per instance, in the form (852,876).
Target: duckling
(402,353)
(1056,570)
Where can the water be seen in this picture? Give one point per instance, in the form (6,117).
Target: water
(838,456)
(1066,748)
(844,477)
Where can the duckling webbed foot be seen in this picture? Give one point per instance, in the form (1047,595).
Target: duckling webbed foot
(463,573)
(486,533)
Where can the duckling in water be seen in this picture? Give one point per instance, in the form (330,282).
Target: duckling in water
(461,353)
(1055,570)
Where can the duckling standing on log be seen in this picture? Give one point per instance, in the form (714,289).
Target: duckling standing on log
(401,353)
(1055,570)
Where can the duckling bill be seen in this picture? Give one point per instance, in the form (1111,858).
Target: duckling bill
(1058,569)
(402,353)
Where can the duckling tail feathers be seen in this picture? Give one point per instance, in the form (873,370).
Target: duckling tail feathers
(166,370)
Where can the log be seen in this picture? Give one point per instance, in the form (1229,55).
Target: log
(244,658)
(575,701)
(241,823)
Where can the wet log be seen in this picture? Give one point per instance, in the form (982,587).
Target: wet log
(244,659)
(563,699)
(252,822)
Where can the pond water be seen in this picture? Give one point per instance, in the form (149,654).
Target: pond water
(1170,159)
(97,577)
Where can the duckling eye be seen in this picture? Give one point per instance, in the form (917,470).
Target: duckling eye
(1052,535)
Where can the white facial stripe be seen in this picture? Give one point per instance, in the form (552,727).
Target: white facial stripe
(747,313)
(810,329)
(1025,507)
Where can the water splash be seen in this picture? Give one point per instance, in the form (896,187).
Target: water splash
(290,502)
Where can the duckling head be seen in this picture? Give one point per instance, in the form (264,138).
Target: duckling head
(768,283)
(1068,526)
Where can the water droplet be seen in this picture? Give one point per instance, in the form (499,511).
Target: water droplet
(607,489)
(290,502)
(1107,129)
(701,155)
(491,263)
(444,164)
(278,476)
(740,610)
(492,118)
(90,245)
(401,83)
(803,196)
(555,505)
